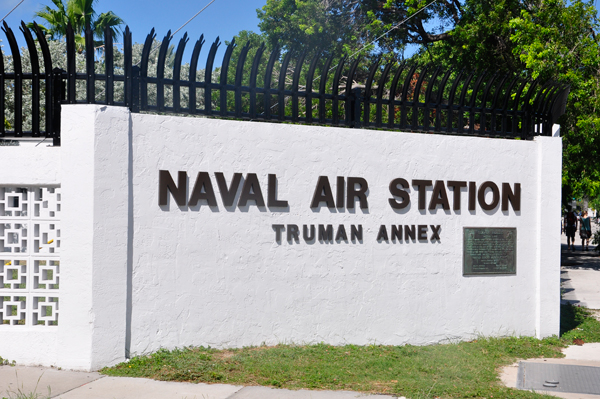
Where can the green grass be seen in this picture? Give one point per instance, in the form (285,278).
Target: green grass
(461,370)
(579,324)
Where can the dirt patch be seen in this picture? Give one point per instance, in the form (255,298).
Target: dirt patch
(595,314)
(221,355)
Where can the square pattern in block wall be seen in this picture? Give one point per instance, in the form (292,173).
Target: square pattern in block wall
(29,256)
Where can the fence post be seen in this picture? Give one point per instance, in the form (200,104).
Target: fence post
(355,108)
(58,96)
(135,89)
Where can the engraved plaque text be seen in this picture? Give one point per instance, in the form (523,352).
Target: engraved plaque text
(488,250)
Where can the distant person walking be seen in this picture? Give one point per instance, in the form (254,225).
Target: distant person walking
(570,229)
(585,231)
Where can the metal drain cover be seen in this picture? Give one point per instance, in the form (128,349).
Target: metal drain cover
(559,377)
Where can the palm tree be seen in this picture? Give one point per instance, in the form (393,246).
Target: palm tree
(79,13)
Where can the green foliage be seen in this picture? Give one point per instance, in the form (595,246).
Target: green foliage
(79,13)
(481,40)
(552,39)
(311,24)
(6,362)
(545,40)
(556,40)
(58,54)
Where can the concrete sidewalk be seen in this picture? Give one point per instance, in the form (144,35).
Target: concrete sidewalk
(580,275)
(580,283)
(584,355)
(62,384)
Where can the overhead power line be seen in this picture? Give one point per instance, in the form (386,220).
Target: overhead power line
(190,20)
(181,27)
(14,8)
(374,40)
(391,29)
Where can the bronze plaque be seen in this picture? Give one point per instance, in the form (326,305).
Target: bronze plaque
(489,250)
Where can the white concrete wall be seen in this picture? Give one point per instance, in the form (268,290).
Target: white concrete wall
(95,172)
(137,276)
(217,277)
(29,166)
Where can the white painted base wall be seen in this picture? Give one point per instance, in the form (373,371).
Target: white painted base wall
(142,276)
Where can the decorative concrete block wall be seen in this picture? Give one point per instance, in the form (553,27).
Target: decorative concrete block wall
(186,231)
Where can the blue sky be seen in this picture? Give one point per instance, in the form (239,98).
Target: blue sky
(223,18)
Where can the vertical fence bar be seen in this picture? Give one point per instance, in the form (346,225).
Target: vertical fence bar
(461,103)
(368,86)
(392,98)
(281,86)
(322,88)
(58,96)
(546,108)
(2,93)
(223,78)
(71,66)
(309,87)
(253,76)
(177,74)
(295,86)
(143,73)
(109,71)
(89,66)
(404,100)
(335,89)
(35,81)
(239,72)
(18,87)
(160,72)
(515,108)
(482,116)
(497,92)
(136,85)
(526,123)
(348,107)
(451,105)
(439,101)
(355,100)
(47,77)
(473,101)
(192,75)
(127,64)
(507,97)
(208,76)
(427,100)
(267,82)
(416,95)
(381,85)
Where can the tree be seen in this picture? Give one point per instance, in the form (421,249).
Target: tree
(79,13)
(59,60)
(316,24)
(558,41)
(351,24)
(545,39)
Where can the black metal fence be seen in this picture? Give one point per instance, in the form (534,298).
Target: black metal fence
(332,91)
